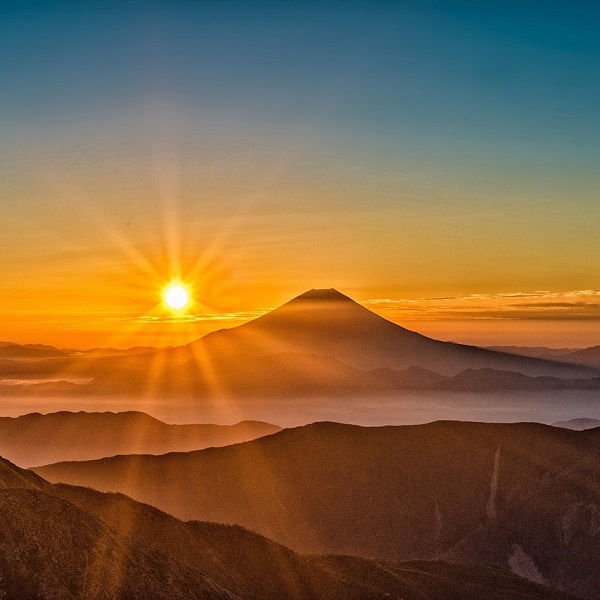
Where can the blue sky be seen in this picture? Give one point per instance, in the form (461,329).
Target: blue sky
(511,70)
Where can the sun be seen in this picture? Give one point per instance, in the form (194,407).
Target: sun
(176,296)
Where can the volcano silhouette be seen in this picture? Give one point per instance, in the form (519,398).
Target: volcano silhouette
(325,322)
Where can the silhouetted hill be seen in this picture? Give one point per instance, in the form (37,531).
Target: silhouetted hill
(578,424)
(50,548)
(491,380)
(10,350)
(35,439)
(74,543)
(12,477)
(390,492)
(253,566)
(583,356)
(587,356)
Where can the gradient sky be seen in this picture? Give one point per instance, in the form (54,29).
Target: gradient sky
(436,160)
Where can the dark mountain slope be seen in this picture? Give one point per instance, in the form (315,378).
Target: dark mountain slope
(50,548)
(579,356)
(12,477)
(587,356)
(61,542)
(258,569)
(385,492)
(550,535)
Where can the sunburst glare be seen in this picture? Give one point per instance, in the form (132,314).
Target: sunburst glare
(176,296)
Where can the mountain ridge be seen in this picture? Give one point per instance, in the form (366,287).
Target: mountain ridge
(33,439)
(391,493)
(72,543)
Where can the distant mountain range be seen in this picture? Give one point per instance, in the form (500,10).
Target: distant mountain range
(36,439)
(524,497)
(589,357)
(578,424)
(290,374)
(75,544)
(9,350)
(321,342)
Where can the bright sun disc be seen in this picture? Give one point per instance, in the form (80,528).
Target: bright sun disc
(176,297)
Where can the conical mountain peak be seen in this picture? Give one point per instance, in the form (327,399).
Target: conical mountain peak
(323,294)
(325,322)
(318,320)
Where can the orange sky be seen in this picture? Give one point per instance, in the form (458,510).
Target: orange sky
(125,313)
(441,169)
(87,267)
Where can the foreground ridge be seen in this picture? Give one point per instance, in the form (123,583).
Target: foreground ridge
(511,495)
(59,541)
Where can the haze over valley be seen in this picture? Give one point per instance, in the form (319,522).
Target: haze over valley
(320,356)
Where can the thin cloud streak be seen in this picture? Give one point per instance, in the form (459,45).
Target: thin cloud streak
(192,318)
(542,305)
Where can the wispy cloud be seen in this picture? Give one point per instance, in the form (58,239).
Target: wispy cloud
(193,318)
(537,305)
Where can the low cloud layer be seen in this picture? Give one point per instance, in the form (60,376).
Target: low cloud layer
(538,305)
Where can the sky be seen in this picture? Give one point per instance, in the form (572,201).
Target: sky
(437,161)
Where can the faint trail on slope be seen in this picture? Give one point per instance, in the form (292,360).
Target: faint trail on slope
(491,505)
(438,529)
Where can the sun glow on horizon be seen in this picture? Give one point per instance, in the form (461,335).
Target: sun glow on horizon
(176,296)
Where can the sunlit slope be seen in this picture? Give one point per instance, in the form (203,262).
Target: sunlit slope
(390,492)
